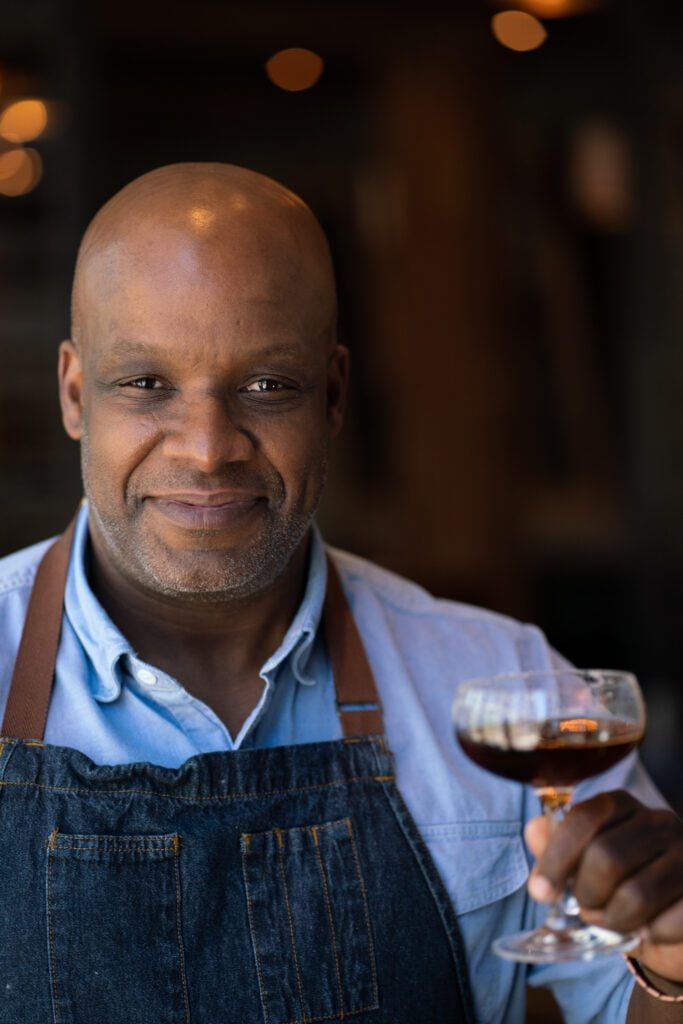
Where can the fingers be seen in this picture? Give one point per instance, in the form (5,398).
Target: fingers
(625,862)
(619,853)
(667,926)
(646,894)
(571,836)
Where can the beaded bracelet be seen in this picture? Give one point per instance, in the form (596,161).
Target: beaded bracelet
(637,972)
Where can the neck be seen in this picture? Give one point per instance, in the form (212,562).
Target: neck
(215,651)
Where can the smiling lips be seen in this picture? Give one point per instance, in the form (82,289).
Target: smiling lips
(209,510)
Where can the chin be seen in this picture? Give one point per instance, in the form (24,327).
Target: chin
(215,575)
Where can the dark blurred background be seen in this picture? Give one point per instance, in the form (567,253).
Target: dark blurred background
(507,225)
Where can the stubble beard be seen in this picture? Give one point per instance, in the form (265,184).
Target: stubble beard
(204,576)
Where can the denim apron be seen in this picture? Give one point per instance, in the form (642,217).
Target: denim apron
(279,886)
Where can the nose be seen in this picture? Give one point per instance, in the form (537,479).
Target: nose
(205,434)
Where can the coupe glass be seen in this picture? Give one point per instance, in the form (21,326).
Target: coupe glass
(552,729)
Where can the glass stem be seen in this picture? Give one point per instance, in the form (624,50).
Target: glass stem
(563,912)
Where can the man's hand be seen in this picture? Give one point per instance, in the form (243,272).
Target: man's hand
(625,862)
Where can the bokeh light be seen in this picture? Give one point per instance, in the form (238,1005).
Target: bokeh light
(10,163)
(557,8)
(518,31)
(602,175)
(294,69)
(550,8)
(24,120)
(20,171)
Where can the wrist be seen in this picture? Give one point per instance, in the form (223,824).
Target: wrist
(654,984)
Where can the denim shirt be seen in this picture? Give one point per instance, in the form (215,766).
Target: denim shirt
(116,708)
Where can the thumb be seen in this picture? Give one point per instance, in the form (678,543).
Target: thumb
(537,834)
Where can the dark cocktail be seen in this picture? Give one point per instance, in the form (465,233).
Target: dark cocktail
(552,729)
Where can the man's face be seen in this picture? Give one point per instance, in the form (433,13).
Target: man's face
(204,390)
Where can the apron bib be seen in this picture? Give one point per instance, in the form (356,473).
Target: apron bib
(286,885)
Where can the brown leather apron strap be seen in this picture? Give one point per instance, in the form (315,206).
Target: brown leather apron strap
(358,704)
(26,712)
(29,695)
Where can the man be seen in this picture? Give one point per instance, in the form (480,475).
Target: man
(207,831)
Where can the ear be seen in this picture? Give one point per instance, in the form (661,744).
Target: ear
(337,387)
(70,374)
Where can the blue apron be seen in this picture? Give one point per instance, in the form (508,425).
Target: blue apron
(278,886)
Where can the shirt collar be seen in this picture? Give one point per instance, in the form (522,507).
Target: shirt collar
(106,647)
(297,643)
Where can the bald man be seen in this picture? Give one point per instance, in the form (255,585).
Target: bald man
(228,789)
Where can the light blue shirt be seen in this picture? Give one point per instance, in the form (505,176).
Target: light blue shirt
(116,708)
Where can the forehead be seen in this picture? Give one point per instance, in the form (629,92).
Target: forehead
(166,288)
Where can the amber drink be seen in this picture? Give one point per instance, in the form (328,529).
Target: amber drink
(551,729)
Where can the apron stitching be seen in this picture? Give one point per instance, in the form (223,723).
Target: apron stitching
(366,913)
(299,828)
(144,844)
(331,1016)
(199,799)
(7,748)
(328,905)
(181,948)
(382,758)
(53,963)
(280,844)
(250,916)
(90,849)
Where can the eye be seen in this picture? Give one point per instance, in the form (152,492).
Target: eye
(143,383)
(264,385)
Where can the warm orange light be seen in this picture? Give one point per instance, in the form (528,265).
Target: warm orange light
(20,171)
(549,7)
(518,31)
(10,162)
(578,725)
(294,69)
(557,8)
(24,120)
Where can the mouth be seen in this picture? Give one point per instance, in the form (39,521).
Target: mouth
(207,510)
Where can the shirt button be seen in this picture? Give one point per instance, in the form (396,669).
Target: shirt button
(145,676)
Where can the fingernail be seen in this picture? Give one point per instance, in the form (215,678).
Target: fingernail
(540,888)
(644,934)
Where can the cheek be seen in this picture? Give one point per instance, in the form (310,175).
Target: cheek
(111,448)
(303,461)
(302,441)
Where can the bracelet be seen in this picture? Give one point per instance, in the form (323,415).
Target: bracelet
(638,973)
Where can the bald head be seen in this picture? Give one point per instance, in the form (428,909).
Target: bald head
(206,218)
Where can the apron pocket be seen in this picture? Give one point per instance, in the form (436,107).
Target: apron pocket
(114,935)
(309,922)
